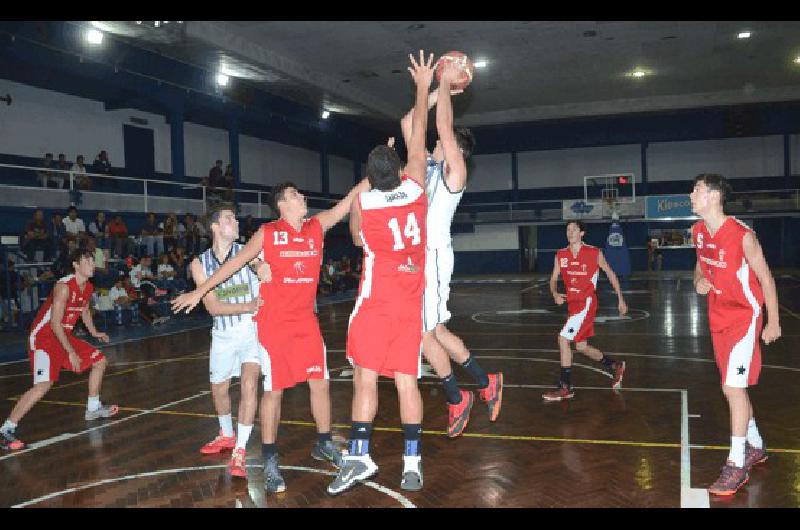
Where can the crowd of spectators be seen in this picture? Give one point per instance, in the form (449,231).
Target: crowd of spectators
(58,176)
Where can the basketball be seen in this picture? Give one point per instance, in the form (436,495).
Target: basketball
(463,62)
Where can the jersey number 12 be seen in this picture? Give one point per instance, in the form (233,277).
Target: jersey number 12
(411,231)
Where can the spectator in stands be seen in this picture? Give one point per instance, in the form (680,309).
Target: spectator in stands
(215,175)
(46,177)
(141,278)
(100,261)
(102,164)
(142,273)
(74,225)
(99,229)
(192,235)
(61,163)
(229,182)
(202,229)
(58,235)
(215,184)
(81,178)
(169,229)
(168,276)
(247,229)
(152,236)
(179,262)
(37,239)
(118,237)
(10,278)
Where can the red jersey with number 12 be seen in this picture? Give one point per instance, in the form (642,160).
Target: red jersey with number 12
(579,272)
(295,259)
(394,235)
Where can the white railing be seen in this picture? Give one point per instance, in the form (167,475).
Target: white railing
(111,200)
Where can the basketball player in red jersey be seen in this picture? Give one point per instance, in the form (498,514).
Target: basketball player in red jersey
(288,330)
(578,265)
(732,272)
(385,333)
(51,347)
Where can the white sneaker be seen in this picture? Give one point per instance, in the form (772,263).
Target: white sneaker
(412,473)
(354,469)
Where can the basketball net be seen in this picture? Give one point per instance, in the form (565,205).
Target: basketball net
(611,207)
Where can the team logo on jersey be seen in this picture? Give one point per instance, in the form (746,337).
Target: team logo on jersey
(583,266)
(408,266)
(311,244)
(314,369)
(699,240)
(299,267)
(564,262)
(73,297)
(722,254)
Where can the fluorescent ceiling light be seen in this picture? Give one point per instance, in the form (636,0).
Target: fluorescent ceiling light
(94,36)
(325,114)
(744,35)
(222,79)
(481,64)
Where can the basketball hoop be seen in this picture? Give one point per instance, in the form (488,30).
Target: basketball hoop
(611,207)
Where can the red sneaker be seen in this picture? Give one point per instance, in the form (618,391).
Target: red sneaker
(492,395)
(754,455)
(459,414)
(219,444)
(619,370)
(563,392)
(236,466)
(9,442)
(730,480)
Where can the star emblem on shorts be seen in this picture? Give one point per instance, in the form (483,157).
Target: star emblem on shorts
(39,372)
(571,330)
(741,370)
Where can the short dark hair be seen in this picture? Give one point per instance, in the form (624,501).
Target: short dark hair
(72,207)
(580,224)
(219,161)
(466,141)
(716,182)
(76,255)
(278,192)
(217,211)
(383,168)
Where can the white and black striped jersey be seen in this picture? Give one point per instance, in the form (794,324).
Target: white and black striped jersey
(240,288)
(442,204)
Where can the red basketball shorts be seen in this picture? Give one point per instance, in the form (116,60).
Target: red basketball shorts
(580,324)
(291,353)
(738,353)
(388,340)
(48,357)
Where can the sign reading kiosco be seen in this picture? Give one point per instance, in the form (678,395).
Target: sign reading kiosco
(669,206)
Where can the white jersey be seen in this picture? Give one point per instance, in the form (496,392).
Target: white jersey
(442,204)
(242,287)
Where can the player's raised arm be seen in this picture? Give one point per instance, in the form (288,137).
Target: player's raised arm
(755,258)
(355,224)
(612,277)
(407,121)
(250,251)
(457,176)
(422,73)
(331,216)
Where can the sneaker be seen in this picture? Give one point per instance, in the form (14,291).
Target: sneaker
(219,444)
(619,369)
(236,466)
(562,392)
(9,441)
(492,395)
(273,481)
(327,452)
(412,473)
(105,411)
(730,480)
(459,414)
(354,469)
(754,455)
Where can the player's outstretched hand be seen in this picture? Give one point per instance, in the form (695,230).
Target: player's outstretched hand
(703,286)
(771,333)
(422,72)
(102,337)
(559,298)
(623,308)
(186,301)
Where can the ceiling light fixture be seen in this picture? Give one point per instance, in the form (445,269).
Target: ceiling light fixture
(156,23)
(481,63)
(797,60)
(325,114)
(222,79)
(94,36)
(638,73)
(743,35)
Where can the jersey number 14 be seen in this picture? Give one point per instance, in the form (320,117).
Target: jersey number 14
(411,232)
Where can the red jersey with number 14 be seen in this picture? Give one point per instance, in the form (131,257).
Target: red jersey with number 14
(394,235)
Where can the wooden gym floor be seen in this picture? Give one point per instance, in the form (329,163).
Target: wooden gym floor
(657,443)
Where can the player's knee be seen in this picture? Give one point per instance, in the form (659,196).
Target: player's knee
(581,346)
(405,383)
(318,386)
(43,387)
(732,392)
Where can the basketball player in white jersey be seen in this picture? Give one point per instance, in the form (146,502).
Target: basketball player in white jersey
(235,350)
(445,182)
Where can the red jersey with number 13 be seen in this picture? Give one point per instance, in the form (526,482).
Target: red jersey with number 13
(394,235)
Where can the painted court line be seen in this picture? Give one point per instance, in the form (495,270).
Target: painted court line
(404,502)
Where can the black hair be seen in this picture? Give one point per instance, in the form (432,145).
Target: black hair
(466,141)
(383,168)
(77,254)
(278,192)
(217,211)
(716,182)
(580,224)
(72,207)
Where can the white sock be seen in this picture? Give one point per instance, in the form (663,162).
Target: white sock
(242,435)
(753,436)
(737,450)
(226,424)
(8,426)
(93,403)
